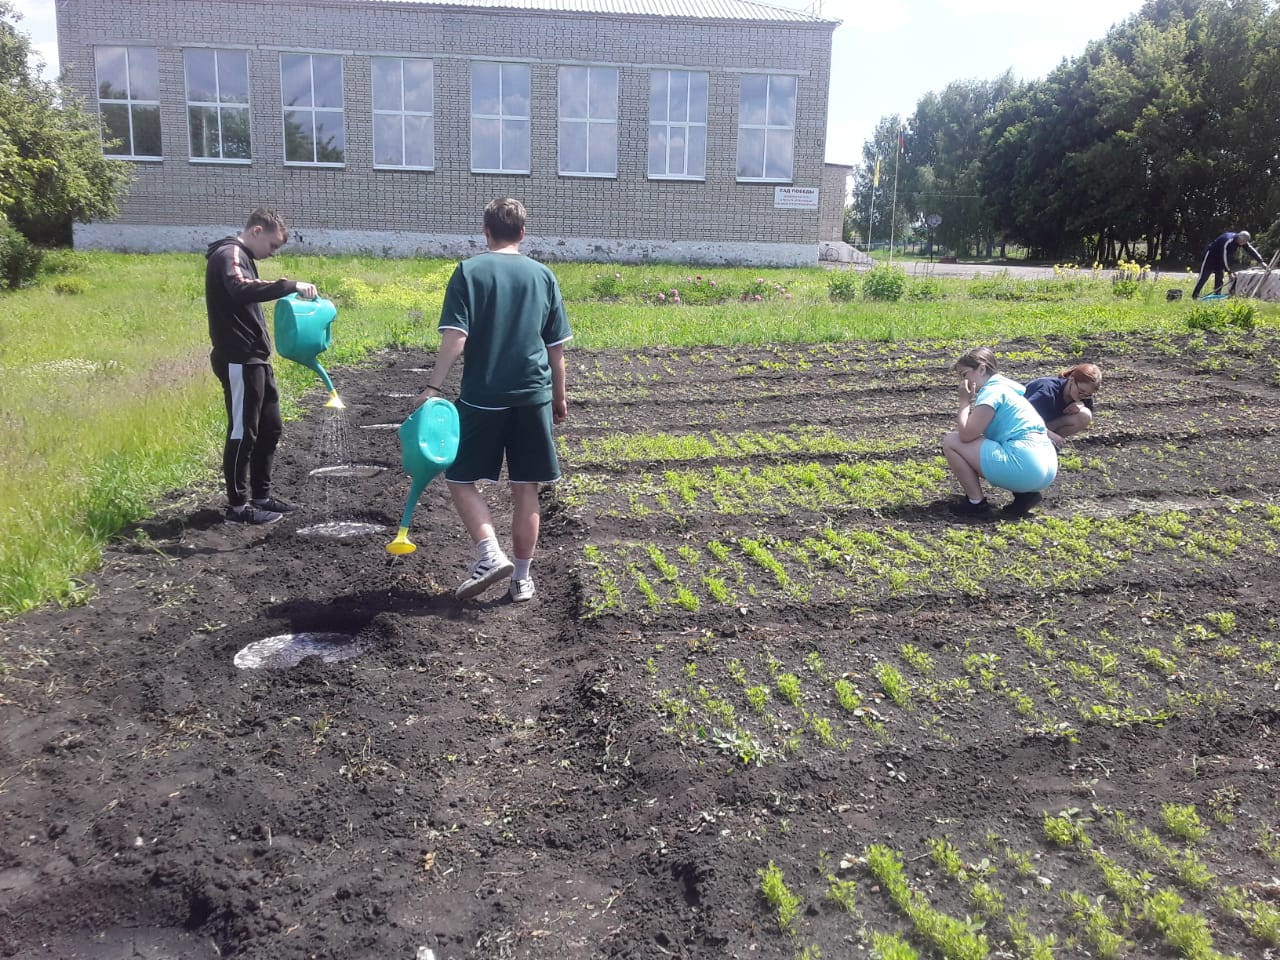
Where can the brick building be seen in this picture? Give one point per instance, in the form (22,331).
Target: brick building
(633,130)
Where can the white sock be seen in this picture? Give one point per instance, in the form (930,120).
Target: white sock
(488,549)
(521,572)
(976,502)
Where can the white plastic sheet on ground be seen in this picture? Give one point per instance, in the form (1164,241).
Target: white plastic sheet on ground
(290,649)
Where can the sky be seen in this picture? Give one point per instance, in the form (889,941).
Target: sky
(886,54)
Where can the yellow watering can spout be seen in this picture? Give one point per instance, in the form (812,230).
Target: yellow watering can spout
(428,444)
(401,545)
(335,401)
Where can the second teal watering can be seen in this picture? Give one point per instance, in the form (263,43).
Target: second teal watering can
(303,331)
(428,444)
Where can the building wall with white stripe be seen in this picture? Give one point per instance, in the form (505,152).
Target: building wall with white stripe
(175,203)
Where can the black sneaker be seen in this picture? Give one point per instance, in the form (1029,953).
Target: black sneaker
(964,507)
(252,513)
(1023,504)
(272,505)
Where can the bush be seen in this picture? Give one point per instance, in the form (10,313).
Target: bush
(700,290)
(926,288)
(1001,286)
(1227,313)
(59,260)
(842,285)
(19,260)
(1129,278)
(70,285)
(607,286)
(762,289)
(885,283)
(1124,288)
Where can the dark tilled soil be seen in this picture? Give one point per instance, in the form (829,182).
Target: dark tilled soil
(561,779)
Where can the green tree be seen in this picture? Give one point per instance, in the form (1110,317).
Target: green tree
(1235,41)
(1157,137)
(52,170)
(872,205)
(1026,176)
(949,137)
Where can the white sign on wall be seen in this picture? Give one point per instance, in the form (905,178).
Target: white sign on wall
(795,198)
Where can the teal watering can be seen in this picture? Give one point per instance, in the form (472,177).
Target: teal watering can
(428,444)
(303,332)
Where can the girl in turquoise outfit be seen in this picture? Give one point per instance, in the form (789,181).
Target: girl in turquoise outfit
(998,436)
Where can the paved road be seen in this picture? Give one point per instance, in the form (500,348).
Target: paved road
(969,270)
(917,268)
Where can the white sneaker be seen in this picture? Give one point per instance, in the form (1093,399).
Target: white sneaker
(521,590)
(484,574)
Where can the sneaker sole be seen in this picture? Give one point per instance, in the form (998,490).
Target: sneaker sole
(473,588)
(249,523)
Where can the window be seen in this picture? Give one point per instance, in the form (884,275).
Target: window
(677,124)
(500,94)
(311,95)
(766,128)
(403,101)
(129,101)
(218,104)
(589,121)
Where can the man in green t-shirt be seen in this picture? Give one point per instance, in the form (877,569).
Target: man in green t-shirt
(506,311)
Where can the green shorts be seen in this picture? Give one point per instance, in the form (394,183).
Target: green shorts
(521,434)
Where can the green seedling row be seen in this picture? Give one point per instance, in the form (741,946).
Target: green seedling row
(859,565)
(875,480)
(769,491)
(757,701)
(883,896)
(623,449)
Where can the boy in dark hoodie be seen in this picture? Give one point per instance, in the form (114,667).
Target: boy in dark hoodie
(241,359)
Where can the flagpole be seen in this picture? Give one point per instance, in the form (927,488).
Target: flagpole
(893,210)
(875,182)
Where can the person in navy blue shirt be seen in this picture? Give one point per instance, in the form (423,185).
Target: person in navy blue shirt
(1217,259)
(1065,402)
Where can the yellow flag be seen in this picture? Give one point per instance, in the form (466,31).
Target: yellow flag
(875,181)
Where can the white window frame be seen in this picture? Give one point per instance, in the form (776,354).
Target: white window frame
(763,130)
(286,109)
(667,125)
(129,102)
(502,117)
(596,127)
(403,115)
(219,104)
